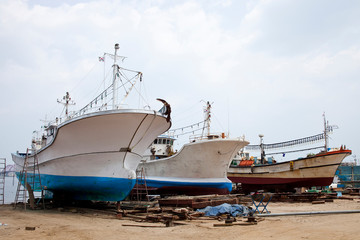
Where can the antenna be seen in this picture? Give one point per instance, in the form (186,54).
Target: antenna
(207,117)
(66,101)
(115,66)
(45,122)
(262,160)
(328,129)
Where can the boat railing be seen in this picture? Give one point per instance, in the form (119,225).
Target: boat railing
(201,137)
(169,134)
(88,110)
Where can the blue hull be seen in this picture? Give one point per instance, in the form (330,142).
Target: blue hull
(189,188)
(86,188)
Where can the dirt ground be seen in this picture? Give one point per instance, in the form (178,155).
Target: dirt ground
(55,224)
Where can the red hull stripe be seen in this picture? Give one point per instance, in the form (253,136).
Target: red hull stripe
(296,182)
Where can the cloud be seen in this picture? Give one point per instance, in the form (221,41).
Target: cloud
(291,28)
(267,65)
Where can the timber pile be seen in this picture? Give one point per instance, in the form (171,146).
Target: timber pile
(178,216)
(199,202)
(309,197)
(177,209)
(154,215)
(291,197)
(167,212)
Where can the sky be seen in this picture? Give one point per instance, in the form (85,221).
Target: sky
(269,67)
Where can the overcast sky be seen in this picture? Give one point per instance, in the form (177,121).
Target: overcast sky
(271,67)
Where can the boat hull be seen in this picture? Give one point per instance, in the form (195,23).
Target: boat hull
(189,186)
(198,168)
(94,157)
(318,170)
(85,188)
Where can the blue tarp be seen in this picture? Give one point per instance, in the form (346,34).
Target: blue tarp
(225,208)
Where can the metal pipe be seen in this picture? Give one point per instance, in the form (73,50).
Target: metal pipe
(306,213)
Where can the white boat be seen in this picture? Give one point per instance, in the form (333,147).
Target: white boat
(200,167)
(93,154)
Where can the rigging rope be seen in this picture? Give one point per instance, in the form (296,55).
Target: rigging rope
(300,150)
(291,143)
(189,126)
(184,133)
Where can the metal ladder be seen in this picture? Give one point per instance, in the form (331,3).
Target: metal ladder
(29,181)
(2,180)
(140,185)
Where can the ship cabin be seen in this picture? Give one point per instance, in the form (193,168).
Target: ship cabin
(47,137)
(50,133)
(162,147)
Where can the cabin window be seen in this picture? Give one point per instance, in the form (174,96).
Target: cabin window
(171,142)
(164,141)
(168,141)
(50,132)
(156,141)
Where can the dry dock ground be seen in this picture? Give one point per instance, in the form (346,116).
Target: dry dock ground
(54,224)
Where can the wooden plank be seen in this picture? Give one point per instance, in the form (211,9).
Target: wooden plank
(137,225)
(136,217)
(234,224)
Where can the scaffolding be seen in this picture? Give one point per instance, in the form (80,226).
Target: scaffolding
(29,181)
(2,180)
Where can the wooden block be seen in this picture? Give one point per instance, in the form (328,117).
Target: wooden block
(169,223)
(222,224)
(197,214)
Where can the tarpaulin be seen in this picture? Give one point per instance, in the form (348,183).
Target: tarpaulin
(225,208)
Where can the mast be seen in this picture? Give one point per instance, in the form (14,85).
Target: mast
(66,102)
(325,133)
(115,68)
(208,116)
(328,129)
(262,158)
